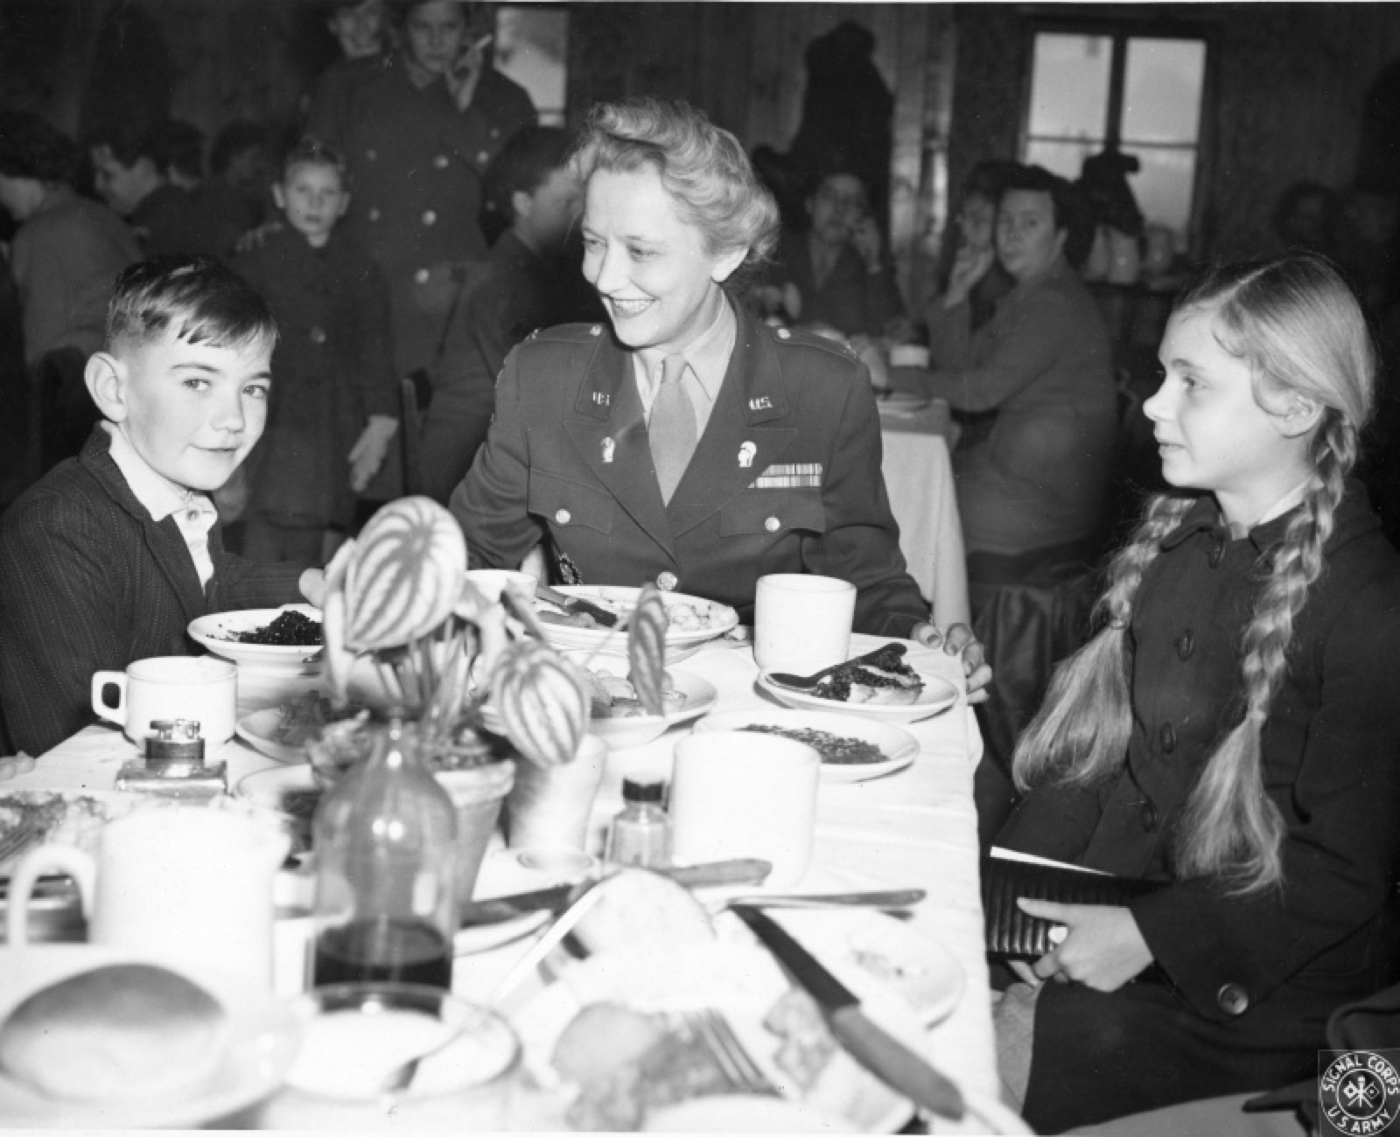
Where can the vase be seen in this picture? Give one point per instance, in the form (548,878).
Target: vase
(551,806)
(477,793)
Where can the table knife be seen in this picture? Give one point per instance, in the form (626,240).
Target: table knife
(868,1043)
(557,897)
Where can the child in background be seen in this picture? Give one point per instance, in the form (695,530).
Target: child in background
(522,287)
(335,406)
(110,555)
(1231,733)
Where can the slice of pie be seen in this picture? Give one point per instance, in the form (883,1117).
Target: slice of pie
(884,678)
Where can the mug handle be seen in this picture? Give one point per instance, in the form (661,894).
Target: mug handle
(64,858)
(116,714)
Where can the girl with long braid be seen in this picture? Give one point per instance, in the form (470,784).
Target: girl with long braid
(1233,730)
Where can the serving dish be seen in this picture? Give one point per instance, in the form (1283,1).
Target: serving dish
(216,631)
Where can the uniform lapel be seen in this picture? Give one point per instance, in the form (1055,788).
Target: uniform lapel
(609,432)
(753,407)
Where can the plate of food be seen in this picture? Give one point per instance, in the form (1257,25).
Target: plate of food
(94,1038)
(852,749)
(64,817)
(616,715)
(285,640)
(879,685)
(291,791)
(691,621)
(615,1037)
(281,732)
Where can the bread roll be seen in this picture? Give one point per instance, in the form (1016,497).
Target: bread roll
(119,1034)
(643,908)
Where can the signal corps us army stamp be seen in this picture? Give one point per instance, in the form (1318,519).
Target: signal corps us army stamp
(1358,1091)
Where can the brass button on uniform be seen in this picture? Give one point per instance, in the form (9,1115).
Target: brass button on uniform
(563,517)
(440,161)
(667,581)
(1185,644)
(784,334)
(1168,737)
(772,525)
(1232,998)
(318,336)
(429,217)
(421,276)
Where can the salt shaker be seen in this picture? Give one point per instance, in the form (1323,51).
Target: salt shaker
(640,834)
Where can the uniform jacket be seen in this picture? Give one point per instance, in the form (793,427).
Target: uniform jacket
(1044,364)
(851,299)
(416,163)
(1251,979)
(65,260)
(786,477)
(89,582)
(331,369)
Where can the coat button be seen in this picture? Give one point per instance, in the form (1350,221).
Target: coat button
(596,330)
(1168,737)
(1185,644)
(1217,552)
(1232,998)
(563,516)
(318,336)
(483,157)
(421,276)
(784,334)
(1149,816)
(373,213)
(429,217)
(371,155)
(440,161)
(667,581)
(772,525)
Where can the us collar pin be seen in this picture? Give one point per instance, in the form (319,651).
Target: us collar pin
(746,455)
(602,399)
(608,447)
(761,403)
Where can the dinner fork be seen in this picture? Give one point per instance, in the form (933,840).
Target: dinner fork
(733,1059)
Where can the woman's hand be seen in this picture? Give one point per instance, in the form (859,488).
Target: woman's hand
(969,266)
(1101,947)
(370,450)
(959,639)
(865,239)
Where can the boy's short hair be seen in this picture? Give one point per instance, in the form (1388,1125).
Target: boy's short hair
(311,151)
(199,298)
(525,161)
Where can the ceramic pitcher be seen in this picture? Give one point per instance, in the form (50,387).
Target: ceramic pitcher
(192,885)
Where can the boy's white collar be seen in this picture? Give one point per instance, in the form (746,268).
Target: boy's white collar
(158,494)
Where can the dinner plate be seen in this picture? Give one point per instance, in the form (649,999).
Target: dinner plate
(215,630)
(623,732)
(682,639)
(936,697)
(260,729)
(260,1047)
(65,817)
(898,748)
(743,981)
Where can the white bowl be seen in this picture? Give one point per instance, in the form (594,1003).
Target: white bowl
(216,630)
(637,730)
(936,697)
(679,642)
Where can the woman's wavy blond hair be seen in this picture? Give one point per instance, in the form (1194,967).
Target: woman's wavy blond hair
(1299,328)
(703,167)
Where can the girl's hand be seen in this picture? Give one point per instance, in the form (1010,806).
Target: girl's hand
(370,450)
(969,266)
(960,640)
(1102,946)
(465,72)
(865,237)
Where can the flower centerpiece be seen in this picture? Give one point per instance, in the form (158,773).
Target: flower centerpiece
(407,632)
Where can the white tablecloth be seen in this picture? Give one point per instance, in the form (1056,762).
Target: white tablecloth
(919,480)
(915,828)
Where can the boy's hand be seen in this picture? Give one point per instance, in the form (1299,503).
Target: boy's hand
(959,640)
(370,449)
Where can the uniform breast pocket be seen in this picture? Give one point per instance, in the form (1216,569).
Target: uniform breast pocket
(563,503)
(773,513)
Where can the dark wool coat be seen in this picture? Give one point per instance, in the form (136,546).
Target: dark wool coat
(331,370)
(89,582)
(786,477)
(1250,980)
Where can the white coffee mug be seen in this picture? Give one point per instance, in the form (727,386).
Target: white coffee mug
(191,885)
(745,794)
(199,687)
(802,622)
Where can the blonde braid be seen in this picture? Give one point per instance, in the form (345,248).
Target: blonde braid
(1230,827)
(1081,731)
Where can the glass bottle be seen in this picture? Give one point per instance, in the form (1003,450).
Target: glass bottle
(384,841)
(640,834)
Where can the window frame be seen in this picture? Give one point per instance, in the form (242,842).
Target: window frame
(1120,30)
